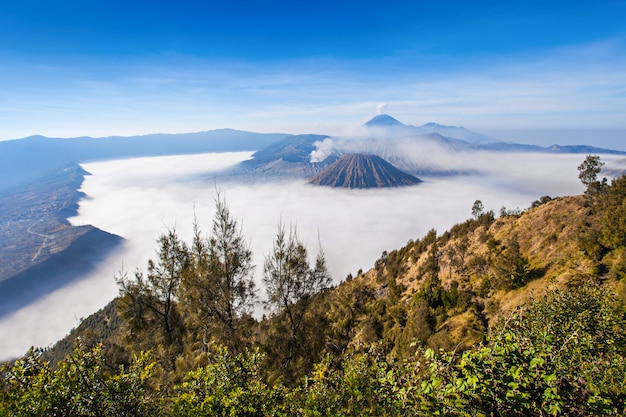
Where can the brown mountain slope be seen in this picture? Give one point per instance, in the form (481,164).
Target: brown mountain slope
(363,171)
(454,286)
(443,291)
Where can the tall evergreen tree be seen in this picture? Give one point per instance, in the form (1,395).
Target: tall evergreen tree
(477,209)
(291,283)
(148,302)
(218,289)
(510,268)
(588,174)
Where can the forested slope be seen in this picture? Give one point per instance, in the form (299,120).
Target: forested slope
(522,314)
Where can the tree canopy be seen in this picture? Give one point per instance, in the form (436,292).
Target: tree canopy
(218,289)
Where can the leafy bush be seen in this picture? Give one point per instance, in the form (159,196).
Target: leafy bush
(563,355)
(230,386)
(78,387)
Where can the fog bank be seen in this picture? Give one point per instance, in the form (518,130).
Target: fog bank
(140,198)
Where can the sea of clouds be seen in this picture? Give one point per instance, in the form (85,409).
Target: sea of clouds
(139,199)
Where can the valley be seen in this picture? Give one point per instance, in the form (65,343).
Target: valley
(132,199)
(33,220)
(41,251)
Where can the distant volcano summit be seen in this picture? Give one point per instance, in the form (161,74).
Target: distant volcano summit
(363,171)
(383,120)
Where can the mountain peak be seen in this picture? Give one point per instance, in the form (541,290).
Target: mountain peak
(383,120)
(363,171)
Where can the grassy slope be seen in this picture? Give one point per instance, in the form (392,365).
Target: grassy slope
(548,239)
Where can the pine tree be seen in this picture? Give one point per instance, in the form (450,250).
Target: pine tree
(218,289)
(148,302)
(588,174)
(291,284)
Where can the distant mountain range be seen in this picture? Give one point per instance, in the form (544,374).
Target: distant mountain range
(363,171)
(24,160)
(27,159)
(387,122)
(459,136)
(413,149)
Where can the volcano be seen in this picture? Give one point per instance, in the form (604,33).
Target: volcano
(383,120)
(363,171)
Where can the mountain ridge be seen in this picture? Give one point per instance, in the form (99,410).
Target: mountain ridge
(306,155)
(384,121)
(26,159)
(45,251)
(23,160)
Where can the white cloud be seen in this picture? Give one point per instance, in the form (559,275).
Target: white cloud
(141,198)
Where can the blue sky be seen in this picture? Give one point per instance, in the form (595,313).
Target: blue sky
(98,68)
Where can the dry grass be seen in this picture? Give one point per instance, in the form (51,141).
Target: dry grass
(548,239)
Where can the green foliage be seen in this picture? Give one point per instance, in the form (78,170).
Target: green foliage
(590,241)
(148,303)
(563,355)
(356,349)
(287,274)
(602,237)
(345,308)
(477,209)
(616,262)
(78,387)
(364,385)
(509,268)
(420,326)
(98,328)
(484,288)
(291,284)
(588,174)
(543,200)
(421,245)
(217,288)
(450,298)
(229,386)
(612,208)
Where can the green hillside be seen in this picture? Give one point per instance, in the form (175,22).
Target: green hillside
(519,314)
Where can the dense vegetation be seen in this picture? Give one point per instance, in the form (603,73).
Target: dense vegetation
(522,314)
